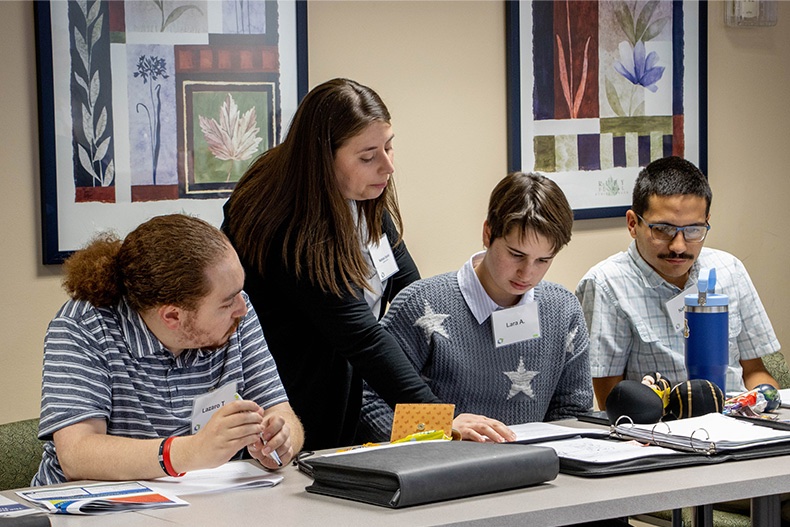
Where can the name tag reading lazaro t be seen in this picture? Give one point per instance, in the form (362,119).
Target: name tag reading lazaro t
(515,324)
(205,405)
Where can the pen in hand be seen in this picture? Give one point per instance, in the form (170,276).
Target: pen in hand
(273,454)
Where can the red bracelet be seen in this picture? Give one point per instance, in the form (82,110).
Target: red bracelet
(164,458)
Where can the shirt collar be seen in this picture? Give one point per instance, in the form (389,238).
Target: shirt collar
(480,304)
(649,275)
(372,297)
(139,339)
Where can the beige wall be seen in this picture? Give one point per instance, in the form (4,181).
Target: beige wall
(440,67)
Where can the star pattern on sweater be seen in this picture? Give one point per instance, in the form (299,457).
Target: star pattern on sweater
(431,323)
(521,380)
(569,348)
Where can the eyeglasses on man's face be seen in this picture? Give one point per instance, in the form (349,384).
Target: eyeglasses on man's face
(664,232)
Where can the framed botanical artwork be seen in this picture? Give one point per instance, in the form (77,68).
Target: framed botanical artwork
(150,107)
(598,89)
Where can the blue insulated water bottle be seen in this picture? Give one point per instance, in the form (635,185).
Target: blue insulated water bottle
(707,331)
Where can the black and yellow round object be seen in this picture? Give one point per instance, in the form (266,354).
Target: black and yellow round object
(694,398)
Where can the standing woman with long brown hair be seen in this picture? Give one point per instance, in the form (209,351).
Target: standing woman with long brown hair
(315,221)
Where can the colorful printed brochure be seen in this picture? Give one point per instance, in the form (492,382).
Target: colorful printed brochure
(99,498)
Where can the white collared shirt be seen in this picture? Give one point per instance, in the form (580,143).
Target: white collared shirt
(480,303)
(377,286)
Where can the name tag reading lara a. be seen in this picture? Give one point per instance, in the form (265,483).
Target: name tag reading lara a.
(515,324)
(205,405)
(676,308)
(383,259)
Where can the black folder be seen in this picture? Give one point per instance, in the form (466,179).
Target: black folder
(418,473)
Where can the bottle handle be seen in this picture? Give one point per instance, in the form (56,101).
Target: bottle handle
(706,283)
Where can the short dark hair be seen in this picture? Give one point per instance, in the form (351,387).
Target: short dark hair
(530,202)
(670,176)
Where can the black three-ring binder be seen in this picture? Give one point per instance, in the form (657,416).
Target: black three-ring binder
(695,445)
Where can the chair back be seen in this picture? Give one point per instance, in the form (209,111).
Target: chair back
(20,453)
(776,365)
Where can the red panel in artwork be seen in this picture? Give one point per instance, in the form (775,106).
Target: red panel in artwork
(576,60)
(206,59)
(214,59)
(224,59)
(184,59)
(154,192)
(678,138)
(93,194)
(117,16)
(270,59)
(246,60)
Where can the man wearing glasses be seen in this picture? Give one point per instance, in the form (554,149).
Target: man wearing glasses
(633,301)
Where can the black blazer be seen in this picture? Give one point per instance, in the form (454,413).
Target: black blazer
(325,345)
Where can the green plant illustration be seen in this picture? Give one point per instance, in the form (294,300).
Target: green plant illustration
(175,14)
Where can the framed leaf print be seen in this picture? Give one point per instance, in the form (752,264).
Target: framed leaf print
(149,107)
(598,89)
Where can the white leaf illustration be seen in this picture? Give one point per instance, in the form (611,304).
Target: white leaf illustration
(81,82)
(94,12)
(95,86)
(82,49)
(87,124)
(96,35)
(101,124)
(101,150)
(234,137)
(109,174)
(85,161)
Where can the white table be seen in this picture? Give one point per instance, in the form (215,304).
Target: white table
(566,500)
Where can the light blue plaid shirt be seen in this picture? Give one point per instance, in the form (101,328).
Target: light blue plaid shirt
(631,333)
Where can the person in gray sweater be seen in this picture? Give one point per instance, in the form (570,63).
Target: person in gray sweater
(494,338)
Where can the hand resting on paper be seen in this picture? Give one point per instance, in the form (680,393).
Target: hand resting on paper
(86,451)
(480,428)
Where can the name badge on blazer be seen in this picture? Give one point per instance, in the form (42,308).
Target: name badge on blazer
(515,324)
(383,259)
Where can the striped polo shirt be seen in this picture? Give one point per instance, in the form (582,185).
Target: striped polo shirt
(104,363)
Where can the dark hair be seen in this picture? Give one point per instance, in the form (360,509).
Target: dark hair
(530,202)
(161,262)
(669,176)
(291,191)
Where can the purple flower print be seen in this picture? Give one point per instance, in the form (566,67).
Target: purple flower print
(637,68)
